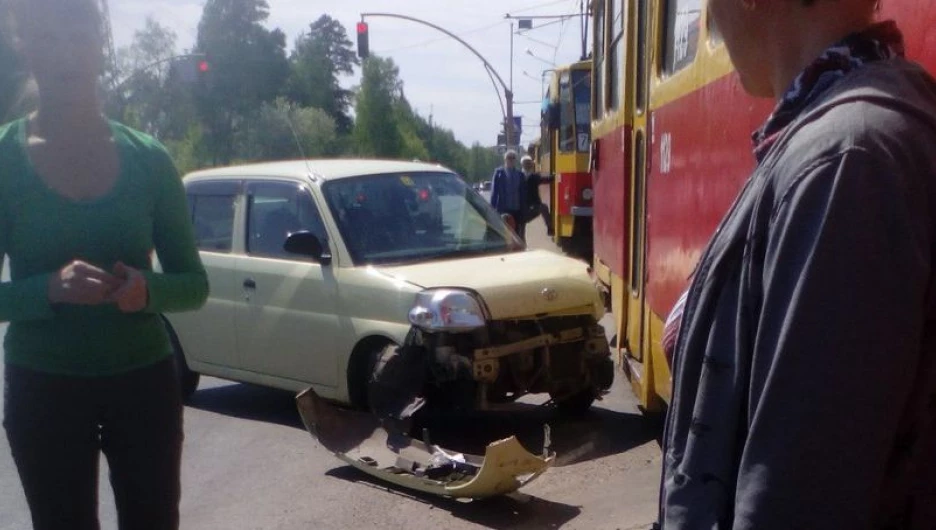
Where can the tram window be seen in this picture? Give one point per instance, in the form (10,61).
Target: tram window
(581,91)
(638,221)
(545,133)
(616,54)
(566,114)
(714,34)
(598,62)
(640,92)
(681,41)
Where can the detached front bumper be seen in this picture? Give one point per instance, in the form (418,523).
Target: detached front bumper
(361,440)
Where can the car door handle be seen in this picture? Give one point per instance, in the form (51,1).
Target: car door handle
(249,283)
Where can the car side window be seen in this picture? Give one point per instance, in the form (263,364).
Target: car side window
(275,210)
(212,208)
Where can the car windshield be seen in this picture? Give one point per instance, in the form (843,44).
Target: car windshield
(412,217)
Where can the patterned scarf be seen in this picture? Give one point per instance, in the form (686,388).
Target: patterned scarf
(880,41)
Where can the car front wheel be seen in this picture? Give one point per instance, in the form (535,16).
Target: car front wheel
(396,383)
(576,405)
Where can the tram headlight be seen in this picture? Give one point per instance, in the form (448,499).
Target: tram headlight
(588,194)
(451,310)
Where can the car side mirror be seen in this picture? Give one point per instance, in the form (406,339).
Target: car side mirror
(305,243)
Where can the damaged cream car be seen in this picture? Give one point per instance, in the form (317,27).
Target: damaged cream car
(352,277)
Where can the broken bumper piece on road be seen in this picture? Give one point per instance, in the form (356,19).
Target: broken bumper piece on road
(361,440)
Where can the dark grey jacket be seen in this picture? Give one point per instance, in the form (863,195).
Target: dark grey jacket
(805,373)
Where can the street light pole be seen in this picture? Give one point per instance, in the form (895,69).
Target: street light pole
(509,135)
(511,55)
(508,91)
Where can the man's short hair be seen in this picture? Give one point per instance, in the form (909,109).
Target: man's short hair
(510,154)
(526,158)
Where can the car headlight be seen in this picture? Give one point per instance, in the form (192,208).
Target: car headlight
(447,310)
(588,194)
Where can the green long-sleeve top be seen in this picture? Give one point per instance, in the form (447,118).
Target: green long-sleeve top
(41,231)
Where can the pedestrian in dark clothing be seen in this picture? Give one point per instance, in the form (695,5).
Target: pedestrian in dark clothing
(509,192)
(804,359)
(535,206)
(85,203)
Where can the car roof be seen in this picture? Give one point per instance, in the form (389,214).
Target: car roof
(326,169)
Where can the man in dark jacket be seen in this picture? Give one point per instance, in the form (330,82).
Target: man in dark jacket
(535,206)
(508,192)
(804,365)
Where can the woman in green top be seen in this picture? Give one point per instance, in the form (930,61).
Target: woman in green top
(88,367)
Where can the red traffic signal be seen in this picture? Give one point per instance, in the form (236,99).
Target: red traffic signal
(203,66)
(363,44)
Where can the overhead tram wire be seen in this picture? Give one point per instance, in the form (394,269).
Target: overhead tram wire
(560,19)
(539,6)
(562,32)
(537,41)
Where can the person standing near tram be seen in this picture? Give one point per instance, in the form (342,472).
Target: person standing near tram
(535,206)
(88,367)
(509,191)
(804,351)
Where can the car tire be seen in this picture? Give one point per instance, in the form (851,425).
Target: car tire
(188,380)
(396,381)
(576,405)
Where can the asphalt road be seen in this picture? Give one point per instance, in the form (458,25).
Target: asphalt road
(248,464)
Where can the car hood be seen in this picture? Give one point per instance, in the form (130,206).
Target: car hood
(515,285)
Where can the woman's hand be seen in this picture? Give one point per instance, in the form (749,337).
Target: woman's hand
(132,294)
(81,283)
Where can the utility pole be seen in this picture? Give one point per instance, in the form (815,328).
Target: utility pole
(508,91)
(109,54)
(584,30)
(508,133)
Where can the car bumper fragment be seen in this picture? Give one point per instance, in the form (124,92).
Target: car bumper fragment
(361,440)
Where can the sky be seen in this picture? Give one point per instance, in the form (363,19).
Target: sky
(440,76)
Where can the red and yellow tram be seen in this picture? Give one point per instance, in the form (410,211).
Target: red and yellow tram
(563,152)
(671,129)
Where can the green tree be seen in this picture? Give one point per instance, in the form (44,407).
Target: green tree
(190,151)
(283,130)
(248,68)
(146,96)
(481,162)
(320,57)
(376,129)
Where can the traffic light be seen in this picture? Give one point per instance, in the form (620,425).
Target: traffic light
(363,46)
(190,69)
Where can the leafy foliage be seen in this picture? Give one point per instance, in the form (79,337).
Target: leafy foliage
(283,130)
(377,129)
(257,103)
(248,68)
(320,57)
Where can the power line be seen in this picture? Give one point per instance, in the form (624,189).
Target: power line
(537,41)
(559,41)
(560,21)
(539,6)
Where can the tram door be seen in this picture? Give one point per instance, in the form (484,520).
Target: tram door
(638,79)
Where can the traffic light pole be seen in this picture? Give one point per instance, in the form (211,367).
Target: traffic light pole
(138,71)
(508,93)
